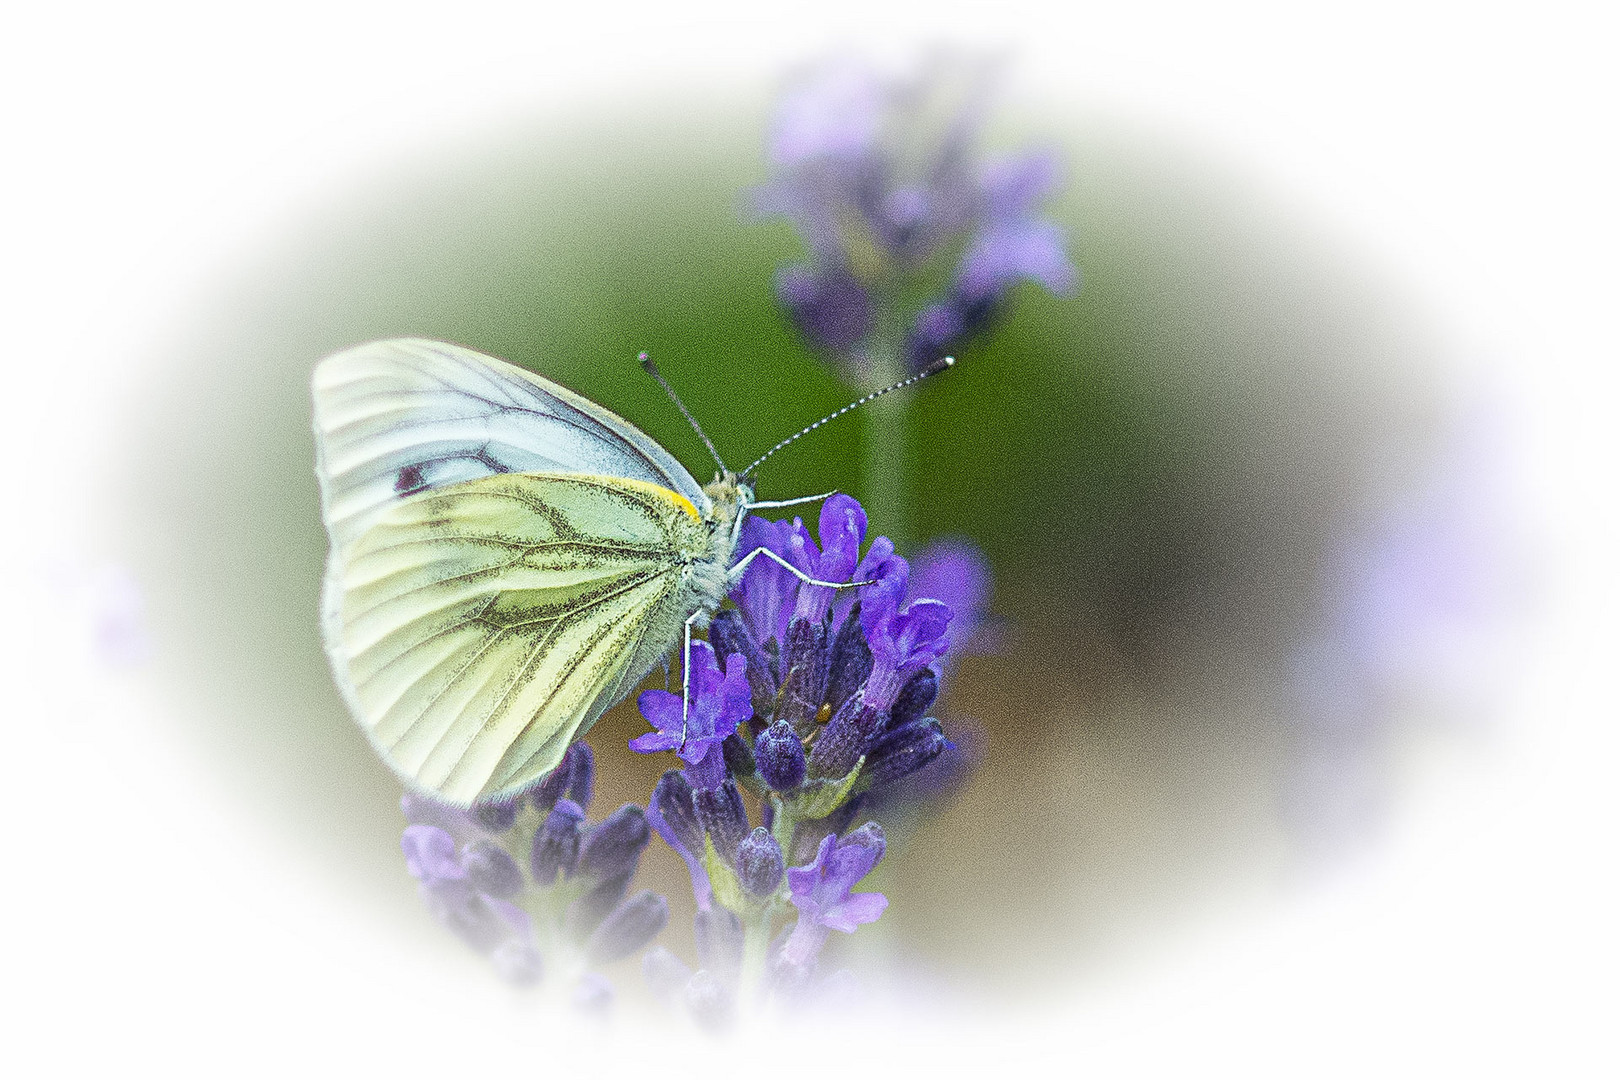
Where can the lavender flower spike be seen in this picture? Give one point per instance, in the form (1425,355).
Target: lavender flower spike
(821,892)
(883,178)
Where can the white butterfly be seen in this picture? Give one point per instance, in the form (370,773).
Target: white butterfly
(508,559)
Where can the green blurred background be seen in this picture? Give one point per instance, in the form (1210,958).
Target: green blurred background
(1154,469)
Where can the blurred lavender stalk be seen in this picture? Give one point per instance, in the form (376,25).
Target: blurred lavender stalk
(913,240)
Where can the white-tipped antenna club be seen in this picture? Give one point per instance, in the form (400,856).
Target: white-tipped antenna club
(651,368)
(932,369)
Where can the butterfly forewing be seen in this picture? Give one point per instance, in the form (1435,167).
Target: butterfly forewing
(394,418)
(479,628)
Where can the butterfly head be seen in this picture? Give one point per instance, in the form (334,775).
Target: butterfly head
(731,496)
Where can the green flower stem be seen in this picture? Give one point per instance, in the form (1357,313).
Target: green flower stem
(756,947)
(888,483)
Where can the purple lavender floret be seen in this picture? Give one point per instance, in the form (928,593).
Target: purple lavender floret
(821,892)
(430,854)
(779,755)
(492,871)
(694,730)
(954,572)
(673,817)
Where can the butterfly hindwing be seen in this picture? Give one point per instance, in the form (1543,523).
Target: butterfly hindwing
(478,629)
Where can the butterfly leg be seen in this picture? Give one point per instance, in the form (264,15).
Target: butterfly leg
(742,565)
(686,676)
(791,502)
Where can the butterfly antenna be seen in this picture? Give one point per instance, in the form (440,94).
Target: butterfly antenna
(651,368)
(932,369)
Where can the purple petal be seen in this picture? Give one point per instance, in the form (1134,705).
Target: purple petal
(879,563)
(842,528)
(702,655)
(955,573)
(1013,186)
(922,629)
(706,769)
(857,910)
(1005,253)
(737,696)
(835,114)
(661,709)
(852,860)
(655,742)
(767,591)
(802,879)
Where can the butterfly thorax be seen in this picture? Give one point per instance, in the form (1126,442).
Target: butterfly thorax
(707,575)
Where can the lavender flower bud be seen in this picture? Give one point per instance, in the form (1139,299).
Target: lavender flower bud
(496,817)
(556,844)
(709,1001)
(780,757)
(719,936)
(804,662)
(674,798)
(552,786)
(844,738)
(613,847)
(849,661)
(518,962)
(461,909)
(728,634)
(904,750)
(592,994)
(666,975)
(572,777)
(492,871)
(738,757)
(914,699)
(829,308)
(586,913)
(722,816)
(581,773)
(630,926)
(759,863)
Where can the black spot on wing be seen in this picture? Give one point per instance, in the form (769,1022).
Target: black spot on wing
(431,472)
(409,481)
